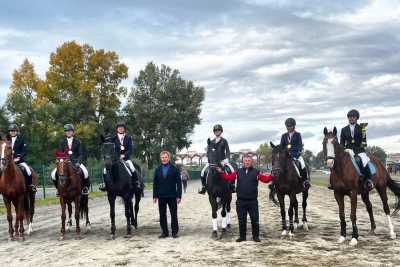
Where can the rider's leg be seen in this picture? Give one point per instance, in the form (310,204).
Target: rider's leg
(102,186)
(368,184)
(134,176)
(203,176)
(303,172)
(54,178)
(28,176)
(85,181)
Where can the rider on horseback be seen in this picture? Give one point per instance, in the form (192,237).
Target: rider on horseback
(19,152)
(123,148)
(73,147)
(293,142)
(351,139)
(222,147)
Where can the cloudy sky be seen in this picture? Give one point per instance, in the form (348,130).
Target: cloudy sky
(260,61)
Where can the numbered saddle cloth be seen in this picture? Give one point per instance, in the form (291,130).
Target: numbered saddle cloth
(357,163)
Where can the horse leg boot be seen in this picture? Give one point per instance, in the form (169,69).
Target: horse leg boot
(203,184)
(353,217)
(305,177)
(340,200)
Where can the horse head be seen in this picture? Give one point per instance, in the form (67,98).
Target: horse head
(212,153)
(108,151)
(62,166)
(5,154)
(280,155)
(329,144)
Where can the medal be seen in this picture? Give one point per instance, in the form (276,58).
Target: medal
(122,147)
(69,152)
(289,146)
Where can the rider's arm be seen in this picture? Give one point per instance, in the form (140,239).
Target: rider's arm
(342,138)
(80,152)
(283,141)
(228,176)
(155,184)
(227,150)
(178,183)
(22,150)
(128,149)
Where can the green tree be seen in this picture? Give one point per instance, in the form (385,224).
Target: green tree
(162,111)
(309,158)
(265,152)
(320,160)
(378,152)
(3,120)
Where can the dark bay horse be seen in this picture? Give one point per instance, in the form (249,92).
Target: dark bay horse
(119,183)
(69,188)
(219,192)
(287,182)
(15,192)
(346,181)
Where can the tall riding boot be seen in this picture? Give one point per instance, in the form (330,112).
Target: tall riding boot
(367,181)
(85,183)
(29,184)
(233,187)
(203,184)
(102,186)
(55,182)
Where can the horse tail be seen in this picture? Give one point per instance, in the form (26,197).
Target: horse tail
(394,186)
(84,205)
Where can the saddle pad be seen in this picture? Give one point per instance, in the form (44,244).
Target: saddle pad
(296,168)
(370,165)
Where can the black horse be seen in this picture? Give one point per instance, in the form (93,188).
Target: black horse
(118,182)
(219,192)
(287,182)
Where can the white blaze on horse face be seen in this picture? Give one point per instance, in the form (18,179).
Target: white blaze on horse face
(330,153)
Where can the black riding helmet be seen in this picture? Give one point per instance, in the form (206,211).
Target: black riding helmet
(353,113)
(120,124)
(290,122)
(69,127)
(13,127)
(218,127)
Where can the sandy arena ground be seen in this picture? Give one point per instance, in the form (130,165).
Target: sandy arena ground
(195,247)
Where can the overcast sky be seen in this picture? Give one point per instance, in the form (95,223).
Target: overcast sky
(260,61)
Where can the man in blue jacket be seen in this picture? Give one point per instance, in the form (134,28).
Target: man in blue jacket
(293,142)
(167,190)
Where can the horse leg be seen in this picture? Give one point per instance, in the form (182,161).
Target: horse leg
(223,215)
(77,217)
(138,197)
(7,203)
(292,203)
(69,223)
(353,217)
(296,213)
(111,201)
(214,208)
(228,212)
(340,200)
(127,199)
(304,205)
(63,217)
(384,198)
(368,205)
(20,216)
(281,199)
(31,196)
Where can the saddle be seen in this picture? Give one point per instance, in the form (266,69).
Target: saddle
(23,171)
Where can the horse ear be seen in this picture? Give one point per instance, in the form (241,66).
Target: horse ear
(334,131)
(272,144)
(325,131)
(208,141)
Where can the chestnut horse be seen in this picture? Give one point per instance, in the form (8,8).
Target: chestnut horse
(15,192)
(346,181)
(69,188)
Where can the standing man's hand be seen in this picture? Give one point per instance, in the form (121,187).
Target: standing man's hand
(178,200)
(122,156)
(155,200)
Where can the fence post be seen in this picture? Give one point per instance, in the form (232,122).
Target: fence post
(43,182)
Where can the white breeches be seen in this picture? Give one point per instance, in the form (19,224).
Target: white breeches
(26,167)
(302,163)
(364,158)
(83,168)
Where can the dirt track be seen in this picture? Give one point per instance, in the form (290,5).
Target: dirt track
(195,248)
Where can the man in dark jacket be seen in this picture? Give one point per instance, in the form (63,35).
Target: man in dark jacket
(19,153)
(167,190)
(73,147)
(247,193)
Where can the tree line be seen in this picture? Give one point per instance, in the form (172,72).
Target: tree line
(84,86)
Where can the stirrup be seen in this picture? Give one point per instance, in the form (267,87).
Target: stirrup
(203,190)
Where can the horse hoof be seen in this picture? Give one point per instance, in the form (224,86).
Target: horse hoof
(228,226)
(30,229)
(296,226)
(284,233)
(61,238)
(112,237)
(88,228)
(11,238)
(78,237)
(341,239)
(392,235)
(353,242)
(305,226)
(291,235)
(214,235)
(127,236)
(372,232)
